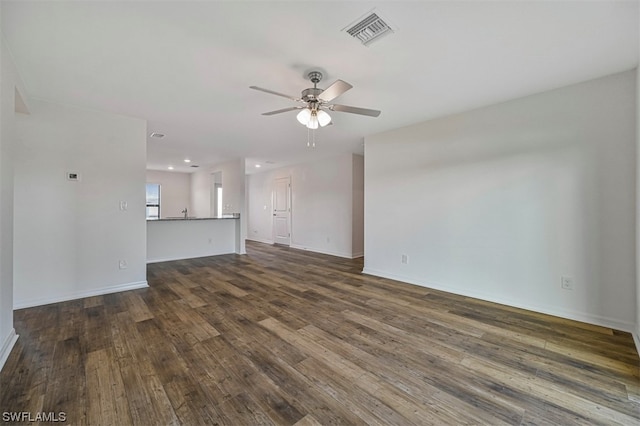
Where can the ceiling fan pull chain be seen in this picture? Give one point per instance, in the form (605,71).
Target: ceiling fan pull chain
(311,138)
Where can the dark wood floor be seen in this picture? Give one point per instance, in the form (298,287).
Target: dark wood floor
(281,336)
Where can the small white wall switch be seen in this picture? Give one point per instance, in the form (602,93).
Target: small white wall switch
(123,206)
(73,176)
(122,264)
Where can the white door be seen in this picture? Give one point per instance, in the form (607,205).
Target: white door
(282,211)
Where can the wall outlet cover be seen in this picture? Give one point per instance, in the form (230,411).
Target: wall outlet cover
(566,283)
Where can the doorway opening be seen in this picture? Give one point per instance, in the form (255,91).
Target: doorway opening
(216,194)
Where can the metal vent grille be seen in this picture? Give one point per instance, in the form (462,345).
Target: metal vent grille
(369,29)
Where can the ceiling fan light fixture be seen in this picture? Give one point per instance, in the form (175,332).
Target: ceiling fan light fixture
(304,116)
(323,118)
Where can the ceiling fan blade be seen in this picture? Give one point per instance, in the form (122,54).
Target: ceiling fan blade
(275,93)
(336,89)
(355,110)
(282,110)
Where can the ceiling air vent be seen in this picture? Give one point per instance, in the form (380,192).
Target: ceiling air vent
(369,28)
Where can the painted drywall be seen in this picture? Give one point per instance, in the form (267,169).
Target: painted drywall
(11,94)
(233,194)
(75,231)
(499,203)
(175,191)
(187,239)
(637,328)
(357,231)
(322,202)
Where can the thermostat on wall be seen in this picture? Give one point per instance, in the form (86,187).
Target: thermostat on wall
(75,176)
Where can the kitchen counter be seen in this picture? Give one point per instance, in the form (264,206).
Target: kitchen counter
(229,216)
(175,238)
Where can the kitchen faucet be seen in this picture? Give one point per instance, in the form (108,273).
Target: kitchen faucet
(185,212)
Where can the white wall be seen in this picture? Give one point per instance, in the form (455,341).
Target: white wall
(10,86)
(175,191)
(259,204)
(233,194)
(70,236)
(187,239)
(500,202)
(322,203)
(357,240)
(637,329)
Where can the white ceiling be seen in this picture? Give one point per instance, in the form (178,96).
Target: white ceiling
(186,67)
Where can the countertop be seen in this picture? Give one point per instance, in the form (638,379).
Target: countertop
(166,219)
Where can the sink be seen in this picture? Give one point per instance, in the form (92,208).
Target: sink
(181,217)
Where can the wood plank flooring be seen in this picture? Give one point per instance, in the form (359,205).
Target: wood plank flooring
(288,337)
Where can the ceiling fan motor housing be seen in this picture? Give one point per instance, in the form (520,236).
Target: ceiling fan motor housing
(311,94)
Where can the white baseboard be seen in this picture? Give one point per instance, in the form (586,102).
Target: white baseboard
(260,240)
(321,251)
(171,259)
(315,250)
(636,340)
(7,345)
(21,304)
(599,320)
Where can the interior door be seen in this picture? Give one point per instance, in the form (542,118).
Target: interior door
(282,211)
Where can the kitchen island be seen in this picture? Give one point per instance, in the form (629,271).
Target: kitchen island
(186,238)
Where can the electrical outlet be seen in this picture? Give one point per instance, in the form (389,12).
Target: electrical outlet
(73,176)
(405,259)
(122,264)
(566,283)
(123,206)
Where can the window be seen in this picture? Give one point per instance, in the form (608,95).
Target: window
(153,201)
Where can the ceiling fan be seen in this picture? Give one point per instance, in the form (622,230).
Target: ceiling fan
(317,102)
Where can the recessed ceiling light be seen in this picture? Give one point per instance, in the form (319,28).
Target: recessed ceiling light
(186,160)
(170,167)
(157,135)
(258,165)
